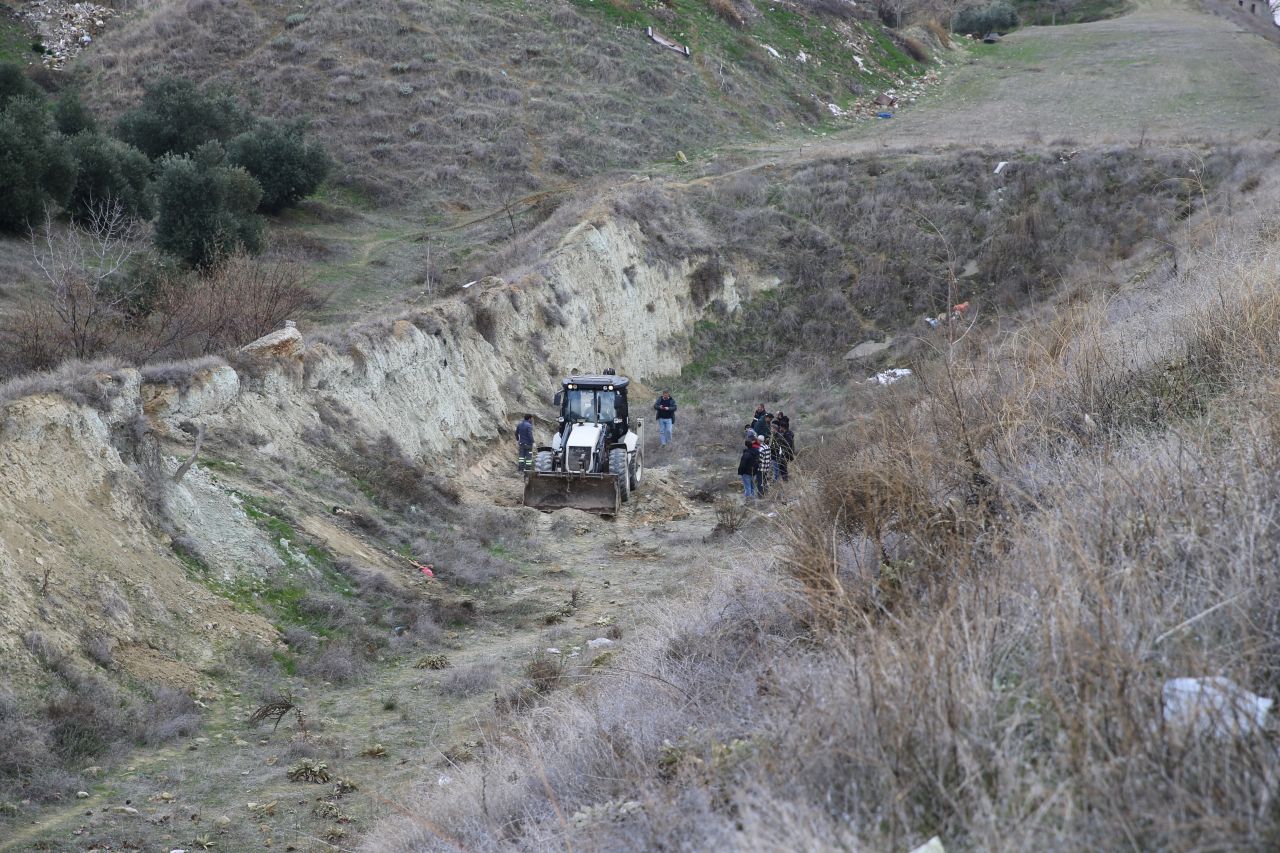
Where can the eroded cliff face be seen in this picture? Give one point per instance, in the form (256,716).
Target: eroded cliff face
(445,381)
(445,378)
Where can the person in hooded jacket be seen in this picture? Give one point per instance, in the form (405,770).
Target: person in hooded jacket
(748,464)
(786,449)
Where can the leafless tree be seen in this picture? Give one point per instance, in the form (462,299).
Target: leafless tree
(81,267)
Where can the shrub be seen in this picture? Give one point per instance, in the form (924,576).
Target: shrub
(980,20)
(176,117)
(36,169)
(469,680)
(109,170)
(14,83)
(287,166)
(916,49)
(72,116)
(240,300)
(206,210)
(338,663)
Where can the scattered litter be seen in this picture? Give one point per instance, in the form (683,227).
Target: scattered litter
(670,44)
(1000,166)
(991,38)
(772,52)
(836,110)
(82,795)
(886,99)
(428,569)
(884,115)
(931,322)
(802,57)
(933,845)
(468,284)
(681,158)
(890,376)
(443,780)
(958,310)
(1215,705)
(553,651)
(599,643)
(770,515)
(861,65)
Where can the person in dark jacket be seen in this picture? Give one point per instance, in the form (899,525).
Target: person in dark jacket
(666,410)
(758,420)
(786,449)
(748,464)
(762,466)
(524,441)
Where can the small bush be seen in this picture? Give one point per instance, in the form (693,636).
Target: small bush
(14,83)
(72,116)
(338,663)
(109,171)
(282,161)
(916,49)
(470,680)
(206,210)
(728,11)
(939,32)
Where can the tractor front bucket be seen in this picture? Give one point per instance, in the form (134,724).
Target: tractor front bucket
(596,493)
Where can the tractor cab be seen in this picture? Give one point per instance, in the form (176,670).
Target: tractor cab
(594,399)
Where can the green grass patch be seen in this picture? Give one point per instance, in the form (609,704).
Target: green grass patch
(829,65)
(16,39)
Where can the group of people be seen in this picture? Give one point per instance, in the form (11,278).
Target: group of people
(769,445)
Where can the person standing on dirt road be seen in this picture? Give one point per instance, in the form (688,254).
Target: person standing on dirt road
(666,409)
(747,465)
(524,441)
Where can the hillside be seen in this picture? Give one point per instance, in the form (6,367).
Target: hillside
(445,106)
(959,618)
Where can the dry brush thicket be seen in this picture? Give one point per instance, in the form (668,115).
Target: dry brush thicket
(980,594)
(870,244)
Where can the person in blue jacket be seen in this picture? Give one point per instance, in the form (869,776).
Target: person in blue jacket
(524,440)
(666,410)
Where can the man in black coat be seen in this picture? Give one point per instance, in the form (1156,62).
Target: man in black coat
(524,441)
(786,448)
(666,410)
(748,463)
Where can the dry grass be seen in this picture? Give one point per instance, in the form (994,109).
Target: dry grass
(872,244)
(476,102)
(982,595)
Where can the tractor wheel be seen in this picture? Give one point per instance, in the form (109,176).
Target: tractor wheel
(618,468)
(637,470)
(543,461)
